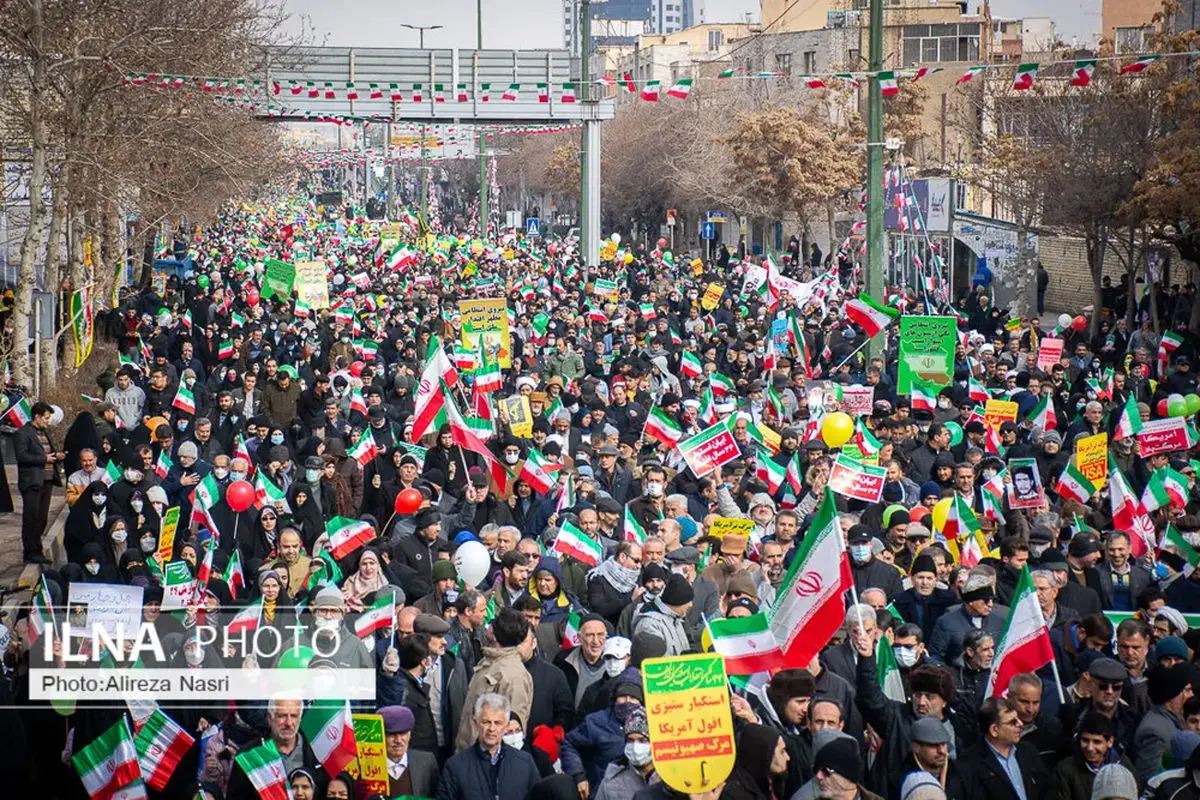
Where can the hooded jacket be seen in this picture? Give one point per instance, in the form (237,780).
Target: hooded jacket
(751,778)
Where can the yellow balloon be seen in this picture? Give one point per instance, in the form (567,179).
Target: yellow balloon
(837,429)
(629,258)
(939,513)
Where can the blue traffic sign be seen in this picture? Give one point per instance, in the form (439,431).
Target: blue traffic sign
(708,230)
(533,227)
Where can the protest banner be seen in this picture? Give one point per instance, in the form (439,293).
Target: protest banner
(712,296)
(691,727)
(926,351)
(166,534)
(709,449)
(1091,457)
(369,770)
(858,401)
(312,284)
(520,416)
(178,585)
(278,278)
(389,236)
(1049,354)
(1025,491)
(605,288)
(996,412)
(1163,436)
(111,607)
(487,319)
(723,525)
(780,334)
(855,479)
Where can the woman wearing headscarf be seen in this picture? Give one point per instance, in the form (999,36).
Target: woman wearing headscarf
(80,436)
(257,540)
(306,516)
(131,566)
(366,579)
(98,565)
(379,480)
(86,521)
(760,766)
(116,536)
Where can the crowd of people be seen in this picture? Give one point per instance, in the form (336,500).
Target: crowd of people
(526,683)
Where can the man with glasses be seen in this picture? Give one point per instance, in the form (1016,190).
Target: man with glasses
(1099,690)
(1002,764)
(613,584)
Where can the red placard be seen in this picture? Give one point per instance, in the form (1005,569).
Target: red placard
(1163,436)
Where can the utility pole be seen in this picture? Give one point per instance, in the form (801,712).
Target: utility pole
(589,240)
(420,29)
(875,233)
(484,188)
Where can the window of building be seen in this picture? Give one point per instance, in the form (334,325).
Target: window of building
(1134,40)
(783,63)
(715,40)
(810,62)
(925,44)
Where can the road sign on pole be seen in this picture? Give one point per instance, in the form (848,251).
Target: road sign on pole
(708,230)
(533,227)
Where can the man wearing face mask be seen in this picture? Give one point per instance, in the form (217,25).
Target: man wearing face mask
(634,769)
(593,744)
(329,636)
(182,478)
(665,617)
(867,570)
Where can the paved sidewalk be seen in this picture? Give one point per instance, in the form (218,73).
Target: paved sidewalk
(12,568)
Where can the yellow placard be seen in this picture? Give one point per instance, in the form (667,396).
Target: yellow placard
(691,727)
(369,770)
(712,296)
(723,525)
(996,412)
(697,266)
(520,417)
(166,535)
(487,319)
(1091,457)
(312,283)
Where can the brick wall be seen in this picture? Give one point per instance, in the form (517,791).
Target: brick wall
(1065,258)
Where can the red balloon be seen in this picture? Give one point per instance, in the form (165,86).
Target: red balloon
(1079,323)
(239,495)
(662,243)
(1162,408)
(252,297)
(408,501)
(356,368)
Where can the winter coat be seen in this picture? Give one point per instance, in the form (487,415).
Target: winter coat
(992,782)
(1072,778)
(468,775)
(592,745)
(661,622)
(924,611)
(622,781)
(751,778)
(502,671)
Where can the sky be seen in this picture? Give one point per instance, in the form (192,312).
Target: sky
(535,24)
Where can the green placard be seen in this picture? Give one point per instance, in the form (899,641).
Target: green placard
(684,673)
(278,278)
(926,351)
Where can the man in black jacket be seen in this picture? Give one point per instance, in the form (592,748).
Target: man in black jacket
(36,460)
(1002,757)
(489,768)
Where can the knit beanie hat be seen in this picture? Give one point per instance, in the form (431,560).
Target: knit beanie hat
(920,785)
(1114,781)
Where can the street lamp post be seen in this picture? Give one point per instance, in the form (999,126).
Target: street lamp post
(420,29)
(484,187)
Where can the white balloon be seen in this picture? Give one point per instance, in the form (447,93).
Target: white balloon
(615,238)
(471,562)
(1064,320)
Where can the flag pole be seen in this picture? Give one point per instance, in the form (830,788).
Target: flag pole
(1057,680)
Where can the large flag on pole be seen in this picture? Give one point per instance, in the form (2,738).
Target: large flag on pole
(108,766)
(1024,645)
(809,607)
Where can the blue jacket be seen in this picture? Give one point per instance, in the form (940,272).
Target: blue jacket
(469,775)
(591,745)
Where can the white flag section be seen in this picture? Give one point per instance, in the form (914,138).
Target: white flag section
(1024,645)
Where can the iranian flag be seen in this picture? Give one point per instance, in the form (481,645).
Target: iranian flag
(512,92)
(1074,485)
(795,473)
(811,81)
(20,414)
(1166,486)
(571,631)
(536,471)
(578,545)
(1024,645)
(375,92)
(771,473)
(376,618)
(264,767)
(364,449)
(351,91)
(358,402)
(225,349)
(1024,78)
(650,91)
(431,398)
(487,375)
(924,396)
(888,85)
(627,82)
(681,89)
(891,683)
(234,576)
(869,315)
(721,385)
(160,744)
(960,520)
(163,465)
(808,607)
(1081,74)
(969,75)
(1130,423)
(328,727)
(247,619)
(864,439)
(1174,539)
(1139,65)
(184,400)
(690,365)
(726,73)
(267,493)
(41,617)
(347,535)
(924,71)
(632,530)
(1042,416)
(746,644)
(568,93)
(108,766)
(661,427)
(1127,512)
(417,93)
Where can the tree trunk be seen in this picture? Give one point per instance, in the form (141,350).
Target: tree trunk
(1096,241)
(53,274)
(31,247)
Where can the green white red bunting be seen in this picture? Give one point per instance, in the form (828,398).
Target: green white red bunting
(1024,78)
(888,85)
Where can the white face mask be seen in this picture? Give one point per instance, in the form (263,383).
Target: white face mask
(99,499)
(860,552)
(148,544)
(654,489)
(92,567)
(120,536)
(637,753)
(905,656)
(514,740)
(327,624)
(614,667)
(512,458)
(220,472)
